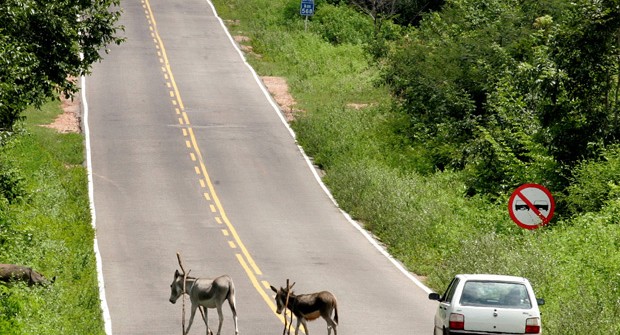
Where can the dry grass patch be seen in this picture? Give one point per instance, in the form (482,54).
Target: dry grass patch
(69,120)
(278,88)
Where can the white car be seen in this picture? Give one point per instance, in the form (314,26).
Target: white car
(484,304)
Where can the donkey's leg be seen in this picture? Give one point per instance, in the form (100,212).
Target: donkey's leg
(205,317)
(221,318)
(191,318)
(304,323)
(232,303)
(331,325)
(297,326)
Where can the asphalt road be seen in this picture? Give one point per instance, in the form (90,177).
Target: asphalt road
(188,154)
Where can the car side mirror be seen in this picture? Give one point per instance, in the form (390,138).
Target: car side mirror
(434,296)
(540,302)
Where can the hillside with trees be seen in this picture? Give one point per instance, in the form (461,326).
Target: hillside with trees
(512,91)
(464,100)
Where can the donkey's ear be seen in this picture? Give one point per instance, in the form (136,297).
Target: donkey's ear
(273,288)
(176,273)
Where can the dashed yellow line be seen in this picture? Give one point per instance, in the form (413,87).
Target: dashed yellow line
(244,258)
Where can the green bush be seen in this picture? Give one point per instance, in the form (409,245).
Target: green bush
(342,24)
(11,184)
(595,182)
(10,308)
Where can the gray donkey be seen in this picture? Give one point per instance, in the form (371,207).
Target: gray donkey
(205,293)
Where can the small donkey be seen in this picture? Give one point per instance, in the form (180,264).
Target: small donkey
(14,272)
(308,307)
(205,293)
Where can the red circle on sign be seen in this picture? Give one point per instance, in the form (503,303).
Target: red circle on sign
(543,203)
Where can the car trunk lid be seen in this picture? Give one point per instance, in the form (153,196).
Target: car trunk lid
(502,320)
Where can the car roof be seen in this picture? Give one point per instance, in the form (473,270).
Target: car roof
(491,277)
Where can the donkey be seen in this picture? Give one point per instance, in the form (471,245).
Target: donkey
(14,272)
(205,293)
(308,307)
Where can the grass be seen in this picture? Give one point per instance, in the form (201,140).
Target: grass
(48,227)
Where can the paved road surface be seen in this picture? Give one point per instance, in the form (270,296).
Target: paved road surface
(189,155)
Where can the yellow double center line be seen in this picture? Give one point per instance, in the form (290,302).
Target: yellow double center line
(245,259)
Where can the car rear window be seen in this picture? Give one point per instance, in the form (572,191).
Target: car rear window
(495,294)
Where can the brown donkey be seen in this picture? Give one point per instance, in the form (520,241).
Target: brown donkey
(308,307)
(14,272)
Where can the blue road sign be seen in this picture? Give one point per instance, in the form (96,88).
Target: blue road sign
(307,8)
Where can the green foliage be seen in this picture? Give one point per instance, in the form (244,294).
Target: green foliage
(11,184)
(471,84)
(573,267)
(50,232)
(15,90)
(43,44)
(338,74)
(443,72)
(595,182)
(586,276)
(580,108)
(410,12)
(508,99)
(10,307)
(338,25)
(508,150)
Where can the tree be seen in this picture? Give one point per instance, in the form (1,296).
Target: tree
(444,70)
(410,12)
(511,91)
(378,10)
(581,108)
(43,44)
(403,12)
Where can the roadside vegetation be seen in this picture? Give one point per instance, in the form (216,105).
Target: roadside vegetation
(45,220)
(463,101)
(45,223)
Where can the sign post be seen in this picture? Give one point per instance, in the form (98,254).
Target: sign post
(531,206)
(307,9)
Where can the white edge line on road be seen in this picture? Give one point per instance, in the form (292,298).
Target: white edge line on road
(104,304)
(363,231)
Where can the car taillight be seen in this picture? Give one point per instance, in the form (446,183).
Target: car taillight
(457,321)
(532,326)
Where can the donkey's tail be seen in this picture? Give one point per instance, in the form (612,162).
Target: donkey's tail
(336,313)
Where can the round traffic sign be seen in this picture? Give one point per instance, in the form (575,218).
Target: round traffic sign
(531,206)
